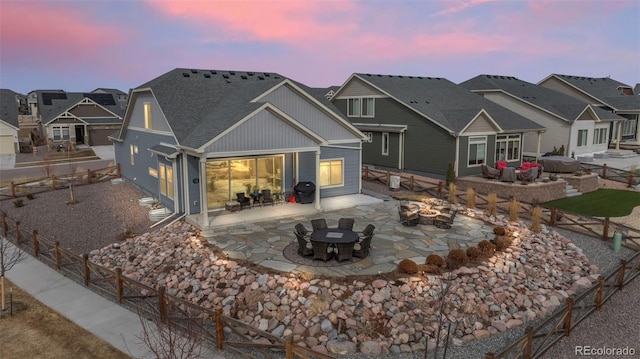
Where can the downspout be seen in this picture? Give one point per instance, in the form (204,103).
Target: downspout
(538,149)
(174,168)
(318,206)
(360,172)
(203,193)
(185,181)
(400,151)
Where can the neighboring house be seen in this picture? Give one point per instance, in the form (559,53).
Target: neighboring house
(578,127)
(607,93)
(195,138)
(426,123)
(83,118)
(9,122)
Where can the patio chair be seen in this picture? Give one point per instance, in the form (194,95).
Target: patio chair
(525,175)
(266,197)
(243,200)
(445,220)
(368,230)
(346,223)
(408,215)
(500,165)
(302,230)
(344,251)
(508,174)
(305,248)
(322,250)
(490,172)
(319,223)
(361,249)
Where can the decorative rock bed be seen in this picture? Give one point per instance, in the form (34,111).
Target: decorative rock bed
(372,315)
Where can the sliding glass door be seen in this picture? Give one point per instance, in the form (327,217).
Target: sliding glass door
(226,178)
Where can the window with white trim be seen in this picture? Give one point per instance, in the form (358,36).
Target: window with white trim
(353,107)
(331,173)
(147,115)
(582,138)
(153,172)
(133,150)
(629,127)
(369,138)
(60,133)
(166,180)
(507,147)
(599,136)
(477,151)
(368,105)
(385,143)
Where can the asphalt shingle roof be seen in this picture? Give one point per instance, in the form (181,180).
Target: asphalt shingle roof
(201,104)
(53,108)
(605,89)
(8,107)
(565,106)
(443,101)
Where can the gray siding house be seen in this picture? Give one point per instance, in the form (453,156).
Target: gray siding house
(8,122)
(425,123)
(606,93)
(578,127)
(195,138)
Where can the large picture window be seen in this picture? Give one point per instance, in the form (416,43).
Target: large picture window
(166,180)
(582,138)
(477,150)
(629,127)
(599,136)
(508,147)
(331,173)
(60,133)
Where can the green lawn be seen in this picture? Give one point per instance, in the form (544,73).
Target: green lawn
(600,203)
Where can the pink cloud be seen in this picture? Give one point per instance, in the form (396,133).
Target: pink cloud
(293,22)
(53,34)
(453,7)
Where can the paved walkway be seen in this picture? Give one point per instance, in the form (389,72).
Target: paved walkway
(113,323)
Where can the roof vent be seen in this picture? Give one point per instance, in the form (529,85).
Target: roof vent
(426,101)
(232,72)
(194,71)
(244,77)
(208,76)
(420,77)
(266,74)
(214,72)
(368,75)
(410,77)
(276,77)
(260,77)
(429,78)
(400,76)
(185,74)
(379,75)
(250,73)
(225,76)
(228,81)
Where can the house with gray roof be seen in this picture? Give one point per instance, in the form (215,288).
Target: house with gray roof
(606,93)
(8,122)
(580,128)
(196,138)
(426,123)
(80,117)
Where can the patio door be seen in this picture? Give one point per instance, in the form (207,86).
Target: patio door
(226,178)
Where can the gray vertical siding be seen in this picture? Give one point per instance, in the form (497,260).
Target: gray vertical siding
(372,151)
(193,171)
(306,167)
(463,169)
(308,114)
(139,172)
(136,113)
(351,169)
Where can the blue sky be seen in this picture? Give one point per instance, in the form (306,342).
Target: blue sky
(83,45)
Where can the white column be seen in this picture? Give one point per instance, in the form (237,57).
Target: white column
(538,149)
(317,200)
(204,216)
(619,135)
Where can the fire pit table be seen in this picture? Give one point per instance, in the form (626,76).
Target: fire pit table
(427,216)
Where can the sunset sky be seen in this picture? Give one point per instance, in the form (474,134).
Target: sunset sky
(83,45)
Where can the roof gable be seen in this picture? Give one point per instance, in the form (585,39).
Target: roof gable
(9,107)
(603,89)
(441,101)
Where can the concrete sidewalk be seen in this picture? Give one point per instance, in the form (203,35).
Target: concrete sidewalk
(115,324)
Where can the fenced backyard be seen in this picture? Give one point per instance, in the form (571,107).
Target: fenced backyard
(227,333)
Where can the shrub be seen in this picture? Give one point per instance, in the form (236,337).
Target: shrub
(18,203)
(514,207)
(451,174)
(30,196)
(435,260)
(553,177)
(499,230)
(432,269)
(408,266)
(536,219)
(471,198)
(487,248)
(503,242)
(492,204)
(457,258)
(473,254)
(452,194)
